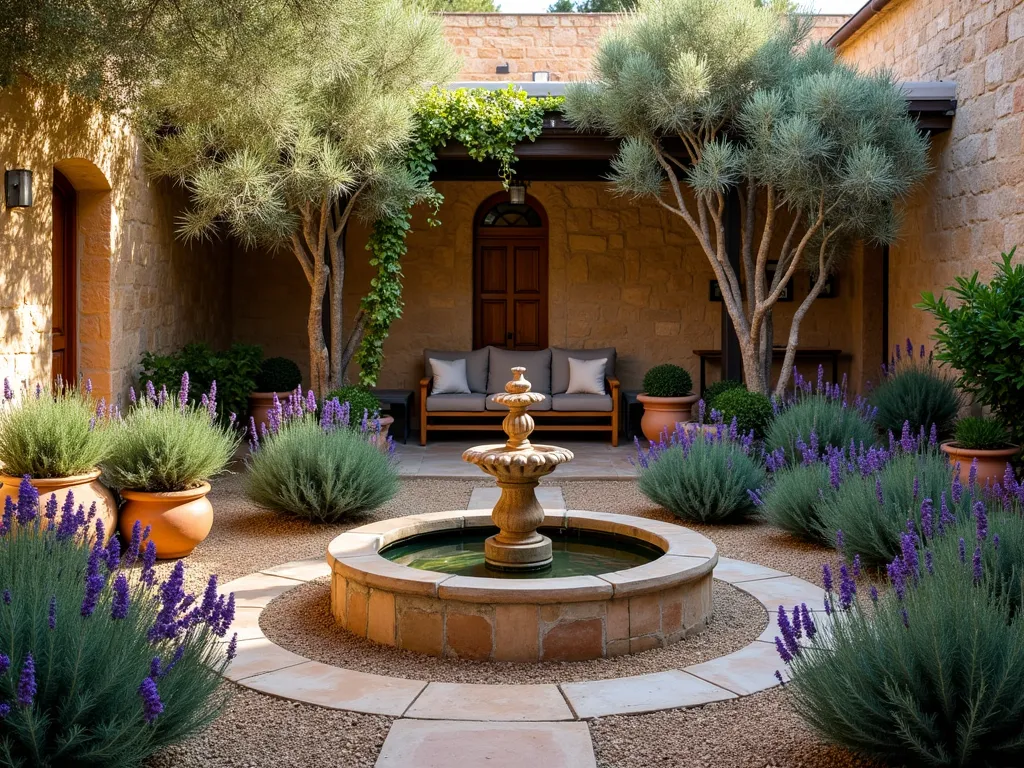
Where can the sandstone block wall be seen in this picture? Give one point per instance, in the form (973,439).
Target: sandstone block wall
(972,206)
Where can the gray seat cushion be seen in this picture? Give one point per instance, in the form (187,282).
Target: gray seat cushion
(476,365)
(543,405)
(581,402)
(537,364)
(473,402)
(560,364)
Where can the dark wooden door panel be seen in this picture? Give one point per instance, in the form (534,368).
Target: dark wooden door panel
(527,278)
(526,324)
(493,266)
(64,306)
(493,326)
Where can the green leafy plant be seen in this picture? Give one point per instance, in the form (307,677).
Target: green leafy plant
(791,499)
(278,374)
(360,399)
(58,432)
(932,672)
(821,419)
(715,388)
(913,390)
(489,123)
(100,665)
(234,370)
(752,410)
(667,380)
(982,337)
(701,476)
(166,443)
(977,433)
(324,472)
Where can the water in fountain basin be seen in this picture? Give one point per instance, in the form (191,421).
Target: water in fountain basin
(575,553)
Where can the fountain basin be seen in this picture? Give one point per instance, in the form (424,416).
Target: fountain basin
(522,619)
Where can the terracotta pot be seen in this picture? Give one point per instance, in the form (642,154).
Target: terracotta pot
(385,424)
(260,404)
(86,489)
(661,413)
(991,463)
(179,520)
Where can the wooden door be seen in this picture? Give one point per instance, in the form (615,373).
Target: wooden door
(65,282)
(510,283)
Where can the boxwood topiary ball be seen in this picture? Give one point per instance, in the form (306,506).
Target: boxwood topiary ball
(278,374)
(360,400)
(667,380)
(715,388)
(752,410)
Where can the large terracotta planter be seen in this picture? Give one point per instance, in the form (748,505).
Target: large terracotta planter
(260,404)
(661,413)
(85,489)
(991,463)
(178,520)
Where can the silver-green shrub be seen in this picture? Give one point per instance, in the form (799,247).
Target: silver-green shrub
(913,390)
(705,476)
(320,469)
(790,501)
(52,432)
(167,443)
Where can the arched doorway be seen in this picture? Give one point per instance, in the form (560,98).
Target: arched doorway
(510,274)
(65,280)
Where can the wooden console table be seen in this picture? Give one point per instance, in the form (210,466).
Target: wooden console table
(806,354)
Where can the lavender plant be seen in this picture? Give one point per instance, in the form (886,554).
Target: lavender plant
(99,664)
(821,408)
(57,431)
(708,476)
(913,389)
(933,672)
(169,443)
(790,500)
(324,468)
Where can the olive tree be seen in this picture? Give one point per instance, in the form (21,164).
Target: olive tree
(714,98)
(280,139)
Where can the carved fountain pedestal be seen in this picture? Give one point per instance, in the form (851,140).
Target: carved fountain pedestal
(518,466)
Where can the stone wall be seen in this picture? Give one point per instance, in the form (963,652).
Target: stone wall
(139,288)
(972,206)
(561,44)
(620,274)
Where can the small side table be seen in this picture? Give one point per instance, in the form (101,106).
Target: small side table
(632,412)
(397,403)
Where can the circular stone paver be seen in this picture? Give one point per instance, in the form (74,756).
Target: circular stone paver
(264,666)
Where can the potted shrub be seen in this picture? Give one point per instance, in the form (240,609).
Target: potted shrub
(363,406)
(278,376)
(163,452)
(667,400)
(58,437)
(985,441)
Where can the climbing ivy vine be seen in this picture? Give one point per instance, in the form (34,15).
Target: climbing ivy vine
(488,124)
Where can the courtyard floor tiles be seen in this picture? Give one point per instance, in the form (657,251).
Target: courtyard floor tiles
(641,693)
(442,744)
(511,703)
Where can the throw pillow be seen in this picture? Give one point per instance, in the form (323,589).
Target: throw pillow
(449,377)
(586,377)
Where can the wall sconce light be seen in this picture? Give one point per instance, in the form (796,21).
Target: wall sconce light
(540,77)
(502,69)
(517,192)
(18,188)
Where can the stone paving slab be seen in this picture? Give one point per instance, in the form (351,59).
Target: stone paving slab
(257,589)
(746,671)
(301,570)
(549,496)
(258,656)
(735,571)
(246,625)
(335,688)
(456,701)
(641,693)
(783,590)
(443,744)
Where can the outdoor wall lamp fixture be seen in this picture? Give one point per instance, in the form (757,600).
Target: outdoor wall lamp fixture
(540,77)
(18,188)
(517,192)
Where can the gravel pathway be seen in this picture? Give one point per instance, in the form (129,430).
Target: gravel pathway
(257,731)
(300,621)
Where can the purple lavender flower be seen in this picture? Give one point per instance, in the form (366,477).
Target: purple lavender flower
(134,544)
(39,390)
(878,491)
(778,676)
(154,667)
(847,588)
(101,408)
(27,682)
(905,616)
(833,469)
(784,653)
(161,397)
(982,520)
(963,550)
(8,392)
(93,583)
(178,653)
(789,634)
(908,551)
(28,501)
(928,562)
(895,571)
(233,647)
(113,555)
(917,486)
(927,518)
(945,516)
(933,437)
(150,392)
(172,595)
(972,476)
(183,392)
(8,517)
(5,663)
(51,616)
(976,562)
(907,442)
(874,593)
(957,488)
(151,704)
(131,396)
(797,622)
(120,602)
(995,541)
(856,566)
(808,623)
(826,577)
(148,564)
(839,540)
(51,507)
(6,597)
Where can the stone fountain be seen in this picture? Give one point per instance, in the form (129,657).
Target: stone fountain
(517,466)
